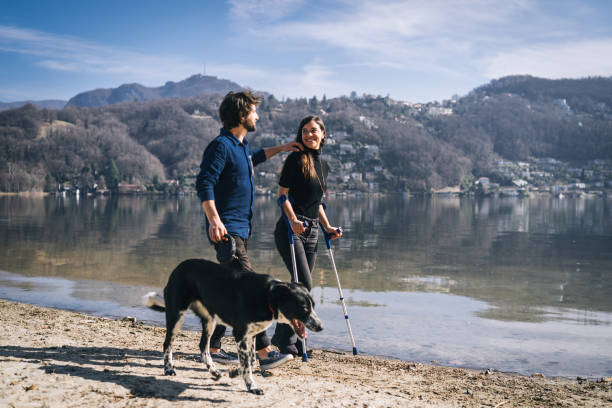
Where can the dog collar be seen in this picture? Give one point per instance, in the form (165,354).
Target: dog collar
(272,310)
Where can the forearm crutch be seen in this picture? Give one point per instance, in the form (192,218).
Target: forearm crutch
(331,257)
(281,201)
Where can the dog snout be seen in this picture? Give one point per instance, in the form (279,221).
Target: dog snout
(313,323)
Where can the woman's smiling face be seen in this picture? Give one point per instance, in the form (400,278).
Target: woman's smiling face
(312,135)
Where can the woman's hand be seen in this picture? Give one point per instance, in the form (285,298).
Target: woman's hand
(334,232)
(297,226)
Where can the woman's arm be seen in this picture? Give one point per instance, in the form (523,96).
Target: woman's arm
(335,232)
(296,225)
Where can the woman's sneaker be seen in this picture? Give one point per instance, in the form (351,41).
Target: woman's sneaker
(273,360)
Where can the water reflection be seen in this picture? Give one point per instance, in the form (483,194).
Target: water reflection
(519,256)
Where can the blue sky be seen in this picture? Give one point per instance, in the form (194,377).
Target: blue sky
(415,51)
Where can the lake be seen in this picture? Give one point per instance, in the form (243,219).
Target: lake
(518,285)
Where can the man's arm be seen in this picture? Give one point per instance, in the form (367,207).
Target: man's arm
(288,147)
(213,162)
(216,230)
(262,155)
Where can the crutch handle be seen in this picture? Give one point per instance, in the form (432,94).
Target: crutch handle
(281,200)
(328,236)
(290,230)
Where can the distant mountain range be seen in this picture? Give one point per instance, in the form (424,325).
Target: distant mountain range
(396,145)
(195,85)
(49,104)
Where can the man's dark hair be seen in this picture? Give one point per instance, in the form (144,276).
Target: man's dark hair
(237,106)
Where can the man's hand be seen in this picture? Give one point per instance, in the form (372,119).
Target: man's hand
(292,147)
(216,231)
(288,147)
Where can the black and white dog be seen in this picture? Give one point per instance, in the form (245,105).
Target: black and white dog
(246,301)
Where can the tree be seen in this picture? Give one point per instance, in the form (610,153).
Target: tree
(314,103)
(467,183)
(86,179)
(101,182)
(50,184)
(112,176)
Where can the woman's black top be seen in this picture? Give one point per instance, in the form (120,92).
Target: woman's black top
(305,192)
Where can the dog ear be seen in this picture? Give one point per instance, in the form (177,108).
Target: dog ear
(279,294)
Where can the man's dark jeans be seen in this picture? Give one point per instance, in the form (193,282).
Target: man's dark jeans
(305,245)
(241,262)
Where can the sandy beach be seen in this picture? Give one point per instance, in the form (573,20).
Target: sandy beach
(57,358)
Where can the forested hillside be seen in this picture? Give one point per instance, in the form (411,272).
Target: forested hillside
(49,104)
(374,142)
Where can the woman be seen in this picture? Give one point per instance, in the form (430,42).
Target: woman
(304,181)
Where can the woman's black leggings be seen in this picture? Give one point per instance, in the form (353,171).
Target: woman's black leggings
(305,245)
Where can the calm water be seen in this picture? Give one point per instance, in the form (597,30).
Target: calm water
(516,285)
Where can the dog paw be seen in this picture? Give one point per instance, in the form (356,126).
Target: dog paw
(215,375)
(256,391)
(234,372)
(169,371)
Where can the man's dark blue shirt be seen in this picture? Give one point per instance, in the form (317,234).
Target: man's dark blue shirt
(226,176)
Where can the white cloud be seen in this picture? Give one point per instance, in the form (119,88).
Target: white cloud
(438,36)
(398,33)
(236,72)
(568,60)
(312,79)
(261,10)
(64,53)
(460,42)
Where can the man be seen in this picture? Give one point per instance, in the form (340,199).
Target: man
(225,187)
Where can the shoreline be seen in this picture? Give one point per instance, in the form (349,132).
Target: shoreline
(441,193)
(57,358)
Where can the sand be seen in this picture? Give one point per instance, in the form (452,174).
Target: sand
(57,358)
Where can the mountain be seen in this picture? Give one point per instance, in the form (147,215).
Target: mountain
(195,85)
(374,142)
(49,104)
(591,95)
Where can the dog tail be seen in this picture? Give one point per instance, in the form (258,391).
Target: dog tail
(154,301)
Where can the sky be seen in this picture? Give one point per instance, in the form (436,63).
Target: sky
(416,51)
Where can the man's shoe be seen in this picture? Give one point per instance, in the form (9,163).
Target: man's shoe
(223,357)
(273,360)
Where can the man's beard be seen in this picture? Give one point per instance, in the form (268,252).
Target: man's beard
(249,126)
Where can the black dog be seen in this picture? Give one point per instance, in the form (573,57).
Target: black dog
(246,301)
